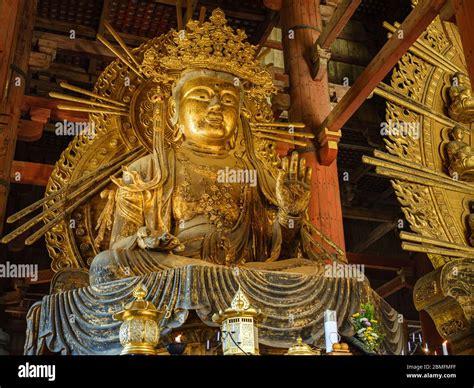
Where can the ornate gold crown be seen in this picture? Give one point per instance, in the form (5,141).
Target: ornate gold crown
(211,45)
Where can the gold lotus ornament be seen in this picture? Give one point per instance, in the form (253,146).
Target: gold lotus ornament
(140,331)
(239,330)
(302,349)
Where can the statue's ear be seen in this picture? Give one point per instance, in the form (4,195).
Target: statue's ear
(172,111)
(245,113)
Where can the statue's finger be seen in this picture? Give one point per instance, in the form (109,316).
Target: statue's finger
(280,177)
(293,172)
(285,163)
(302,170)
(309,173)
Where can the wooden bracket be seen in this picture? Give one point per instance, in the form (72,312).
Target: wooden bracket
(328,141)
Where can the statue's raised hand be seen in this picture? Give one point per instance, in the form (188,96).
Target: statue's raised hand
(293,185)
(160,241)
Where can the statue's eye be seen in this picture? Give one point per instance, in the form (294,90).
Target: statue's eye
(228,99)
(201,95)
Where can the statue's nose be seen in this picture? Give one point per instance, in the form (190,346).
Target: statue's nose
(214,103)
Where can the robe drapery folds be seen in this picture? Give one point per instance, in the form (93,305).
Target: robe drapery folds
(80,322)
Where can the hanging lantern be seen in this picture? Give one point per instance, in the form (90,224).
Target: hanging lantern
(238,325)
(302,349)
(139,332)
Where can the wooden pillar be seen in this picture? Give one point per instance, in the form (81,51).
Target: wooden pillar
(16,32)
(301,26)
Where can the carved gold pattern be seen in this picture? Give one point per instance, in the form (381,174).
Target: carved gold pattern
(431,210)
(430,175)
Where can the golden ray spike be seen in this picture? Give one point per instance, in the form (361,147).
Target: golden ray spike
(79,100)
(279,125)
(179,14)
(89,110)
(427,240)
(283,132)
(40,232)
(77,89)
(94,181)
(318,245)
(189,10)
(325,238)
(202,15)
(119,55)
(121,42)
(276,138)
(42,201)
(435,250)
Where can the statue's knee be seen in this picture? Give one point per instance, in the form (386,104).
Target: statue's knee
(102,268)
(103,259)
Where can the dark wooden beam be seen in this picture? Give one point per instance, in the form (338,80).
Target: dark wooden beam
(356,147)
(375,215)
(78,45)
(83,31)
(385,194)
(52,104)
(29,173)
(338,21)
(416,22)
(385,263)
(273,44)
(273,19)
(30,130)
(64,27)
(359,173)
(61,73)
(447,13)
(232,13)
(464,10)
(374,236)
(100,30)
(404,279)
(390,287)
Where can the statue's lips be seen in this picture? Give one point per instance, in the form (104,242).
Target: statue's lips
(214,119)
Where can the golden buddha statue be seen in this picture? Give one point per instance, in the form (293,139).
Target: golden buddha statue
(198,214)
(460,156)
(462,102)
(209,209)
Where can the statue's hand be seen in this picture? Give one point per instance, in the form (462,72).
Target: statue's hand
(152,239)
(293,185)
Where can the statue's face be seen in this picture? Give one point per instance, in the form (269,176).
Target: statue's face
(458,134)
(208,111)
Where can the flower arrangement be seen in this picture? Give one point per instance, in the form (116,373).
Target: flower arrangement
(367,328)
